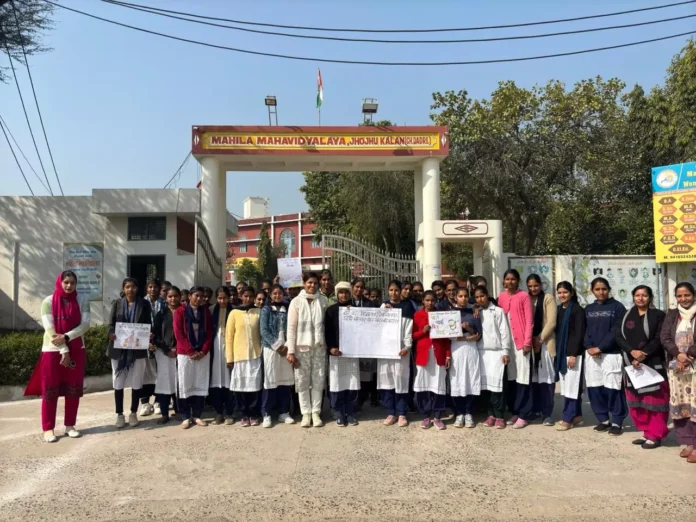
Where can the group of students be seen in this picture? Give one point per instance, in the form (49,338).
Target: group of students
(246,353)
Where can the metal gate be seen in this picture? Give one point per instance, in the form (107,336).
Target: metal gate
(349,257)
(208,269)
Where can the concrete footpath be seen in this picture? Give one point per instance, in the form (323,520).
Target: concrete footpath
(368,472)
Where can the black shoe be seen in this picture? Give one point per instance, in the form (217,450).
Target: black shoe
(638,442)
(651,444)
(602,427)
(616,431)
(351,420)
(163,420)
(340,422)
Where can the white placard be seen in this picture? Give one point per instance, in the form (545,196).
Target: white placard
(643,376)
(369,332)
(132,336)
(87,261)
(444,325)
(289,271)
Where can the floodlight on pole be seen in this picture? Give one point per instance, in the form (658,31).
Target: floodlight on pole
(272,104)
(369,108)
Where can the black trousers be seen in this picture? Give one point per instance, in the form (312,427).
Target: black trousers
(118,400)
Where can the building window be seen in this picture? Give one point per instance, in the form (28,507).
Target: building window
(316,242)
(147,228)
(242,247)
(287,238)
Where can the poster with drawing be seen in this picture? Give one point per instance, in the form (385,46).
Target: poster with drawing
(445,325)
(370,333)
(623,273)
(542,266)
(132,336)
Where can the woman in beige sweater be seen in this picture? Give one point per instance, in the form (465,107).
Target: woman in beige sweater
(243,352)
(544,343)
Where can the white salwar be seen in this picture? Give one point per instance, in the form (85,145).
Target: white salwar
(495,343)
(344,374)
(166,374)
(605,370)
(193,376)
(431,377)
(276,368)
(247,376)
(219,373)
(571,382)
(545,374)
(465,372)
(131,379)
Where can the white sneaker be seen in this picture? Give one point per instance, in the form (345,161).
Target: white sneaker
(49,436)
(71,432)
(316,420)
(120,421)
(133,420)
(286,418)
(158,410)
(146,410)
(469,421)
(267,422)
(306,420)
(459,421)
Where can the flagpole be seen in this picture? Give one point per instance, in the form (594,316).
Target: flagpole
(320,116)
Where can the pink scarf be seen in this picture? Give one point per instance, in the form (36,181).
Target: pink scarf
(66,311)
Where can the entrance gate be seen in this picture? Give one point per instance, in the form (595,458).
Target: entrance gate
(349,257)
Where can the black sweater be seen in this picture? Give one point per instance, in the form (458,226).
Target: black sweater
(630,335)
(331,335)
(576,330)
(163,331)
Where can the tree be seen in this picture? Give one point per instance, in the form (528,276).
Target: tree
(33,18)
(268,254)
(249,272)
(377,207)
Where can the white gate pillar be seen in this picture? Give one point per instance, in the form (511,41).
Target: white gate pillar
(495,248)
(478,247)
(432,255)
(213,204)
(418,207)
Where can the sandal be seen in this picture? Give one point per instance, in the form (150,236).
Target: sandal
(564,426)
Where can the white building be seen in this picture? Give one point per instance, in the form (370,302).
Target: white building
(140,233)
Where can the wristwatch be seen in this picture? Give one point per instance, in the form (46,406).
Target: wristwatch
(67,339)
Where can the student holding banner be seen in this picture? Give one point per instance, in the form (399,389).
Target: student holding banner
(433,358)
(128,365)
(220,394)
(393,374)
(344,373)
(465,373)
(307,348)
(165,353)
(368,367)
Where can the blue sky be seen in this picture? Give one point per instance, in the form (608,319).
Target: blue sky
(118,105)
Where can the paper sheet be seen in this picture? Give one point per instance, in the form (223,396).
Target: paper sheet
(643,376)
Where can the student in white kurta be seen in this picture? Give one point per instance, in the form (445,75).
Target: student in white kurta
(243,348)
(220,394)
(307,348)
(164,343)
(464,372)
(393,374)
(279,376)
(344,372)
(494,354)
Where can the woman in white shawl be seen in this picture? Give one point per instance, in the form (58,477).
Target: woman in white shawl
(307,349)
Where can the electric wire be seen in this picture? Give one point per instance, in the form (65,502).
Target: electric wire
(36,100)
(362,62)
(26,116)
(368,40)
(178,171)
(9,131)
(16,160)
(438,30)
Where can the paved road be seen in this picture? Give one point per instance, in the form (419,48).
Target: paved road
(369,472)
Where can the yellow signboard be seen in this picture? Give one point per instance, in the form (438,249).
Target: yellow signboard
(427,141)
(674,213)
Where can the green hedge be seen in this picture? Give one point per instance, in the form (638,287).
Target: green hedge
(19,352)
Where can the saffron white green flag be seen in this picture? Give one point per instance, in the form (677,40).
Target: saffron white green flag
(320,90)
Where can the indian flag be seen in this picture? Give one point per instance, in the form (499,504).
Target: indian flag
(320,90)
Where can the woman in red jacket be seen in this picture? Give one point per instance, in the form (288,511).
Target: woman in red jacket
(433,358)
(194,337)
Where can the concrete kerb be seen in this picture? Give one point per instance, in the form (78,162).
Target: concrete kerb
(97,383)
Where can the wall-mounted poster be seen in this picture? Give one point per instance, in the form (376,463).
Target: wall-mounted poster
(87,261)
(542,266)
(623,273)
